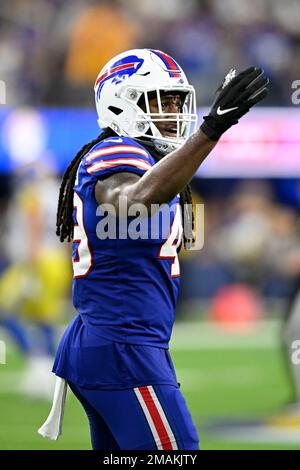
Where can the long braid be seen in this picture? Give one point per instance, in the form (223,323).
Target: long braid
(186,203)
(64,217)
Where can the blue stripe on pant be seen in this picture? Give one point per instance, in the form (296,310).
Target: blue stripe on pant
(127,420)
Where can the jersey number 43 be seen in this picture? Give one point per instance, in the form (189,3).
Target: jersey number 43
(82,253)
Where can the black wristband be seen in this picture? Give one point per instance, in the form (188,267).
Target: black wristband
(214,129)
(211,133)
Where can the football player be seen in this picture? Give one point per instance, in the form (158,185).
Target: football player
(114,354)
(34,286)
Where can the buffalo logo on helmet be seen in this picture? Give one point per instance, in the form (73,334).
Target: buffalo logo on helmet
(121,69)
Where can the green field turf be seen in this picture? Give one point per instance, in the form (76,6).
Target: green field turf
(223,376)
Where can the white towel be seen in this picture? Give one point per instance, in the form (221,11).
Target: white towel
(52,428)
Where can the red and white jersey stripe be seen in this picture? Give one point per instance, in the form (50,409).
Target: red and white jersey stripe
(117,155)
(135,162)
(116,149)
(156,418)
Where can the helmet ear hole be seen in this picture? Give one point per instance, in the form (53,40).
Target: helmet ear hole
(115,110)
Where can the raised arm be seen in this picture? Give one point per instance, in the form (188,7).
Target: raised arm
(169,176)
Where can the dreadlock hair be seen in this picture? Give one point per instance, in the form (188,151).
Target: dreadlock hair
(187,208)
(186,202)
(64,217)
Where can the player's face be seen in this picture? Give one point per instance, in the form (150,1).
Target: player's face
(170,103)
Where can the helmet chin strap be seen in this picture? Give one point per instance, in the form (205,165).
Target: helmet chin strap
(164,148)
(161,144)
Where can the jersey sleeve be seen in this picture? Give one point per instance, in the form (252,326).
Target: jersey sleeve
(115,156)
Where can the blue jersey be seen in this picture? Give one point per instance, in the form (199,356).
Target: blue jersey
(124,287)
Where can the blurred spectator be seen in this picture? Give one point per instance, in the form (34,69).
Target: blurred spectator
(281,257)
(250,238)
(98,34)
(48,45)
(245,230)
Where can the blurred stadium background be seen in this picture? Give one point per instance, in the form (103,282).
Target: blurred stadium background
(228,342)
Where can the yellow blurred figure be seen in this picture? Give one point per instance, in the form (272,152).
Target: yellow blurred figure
(101,32)
(37,291)
(37,281)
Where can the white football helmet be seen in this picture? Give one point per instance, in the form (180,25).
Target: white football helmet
(123,86)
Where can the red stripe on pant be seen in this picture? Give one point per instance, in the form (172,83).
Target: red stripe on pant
(157,420)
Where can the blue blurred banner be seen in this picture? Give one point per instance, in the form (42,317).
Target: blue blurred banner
(54,135)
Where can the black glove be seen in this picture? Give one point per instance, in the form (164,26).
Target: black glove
(233,99)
